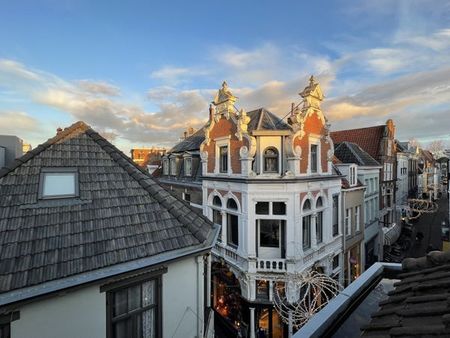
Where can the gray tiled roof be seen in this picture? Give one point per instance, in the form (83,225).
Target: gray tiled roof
(121,213)
(348,152)
(260,119)
(420,304)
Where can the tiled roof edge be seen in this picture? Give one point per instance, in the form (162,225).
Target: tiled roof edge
(158,192)
(32,153)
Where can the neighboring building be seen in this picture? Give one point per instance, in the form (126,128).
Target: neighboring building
(390,300)
(413,170)
(368,172)
(145,157)
(91,246)
(271,186)
(403,155)
(352,221)
(427,174)
(26,147)
(379,143)
(10,149)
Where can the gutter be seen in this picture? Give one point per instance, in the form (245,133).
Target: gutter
(46,288)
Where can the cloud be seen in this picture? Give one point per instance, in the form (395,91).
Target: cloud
(16,123)
(98,87)
(170,74)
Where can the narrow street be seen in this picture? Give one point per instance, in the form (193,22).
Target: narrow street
(430,225)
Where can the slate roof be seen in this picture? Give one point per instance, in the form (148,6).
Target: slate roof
(419,306)
(121,213)
(260,119)
(367,138)
(348,152)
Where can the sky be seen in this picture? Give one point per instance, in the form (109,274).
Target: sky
(141,72)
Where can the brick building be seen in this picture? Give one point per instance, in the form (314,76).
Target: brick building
(270,184)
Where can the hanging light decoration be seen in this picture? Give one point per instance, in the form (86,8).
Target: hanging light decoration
(297,297)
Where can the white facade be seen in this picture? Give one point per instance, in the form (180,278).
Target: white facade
(254,262)
(82,313)
(402,179)
(372,229)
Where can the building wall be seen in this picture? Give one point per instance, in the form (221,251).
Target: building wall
(82,313)
(13,148)
(73,315)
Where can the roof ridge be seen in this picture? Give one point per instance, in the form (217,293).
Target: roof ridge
(43,146)
(378,126)
(141,176)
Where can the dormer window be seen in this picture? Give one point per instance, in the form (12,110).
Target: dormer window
(58,183)
(271,160)
(173,166)
(353,176)
(314,149)
(188,166)
(165,166)
(223,159)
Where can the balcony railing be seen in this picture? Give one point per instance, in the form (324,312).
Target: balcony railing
(228,253)
(271,265)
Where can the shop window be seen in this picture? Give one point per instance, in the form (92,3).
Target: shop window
(262,289)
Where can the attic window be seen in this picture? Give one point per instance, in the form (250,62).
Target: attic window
(58,183)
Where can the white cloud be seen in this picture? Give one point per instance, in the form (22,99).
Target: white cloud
(17,123)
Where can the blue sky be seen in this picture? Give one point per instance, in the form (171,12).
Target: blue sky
(142,71)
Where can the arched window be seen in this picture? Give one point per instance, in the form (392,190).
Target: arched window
(231,204)
(271,160)
(307,205)
(319,203)
(217,202)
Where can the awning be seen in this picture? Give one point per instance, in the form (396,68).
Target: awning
(391,234)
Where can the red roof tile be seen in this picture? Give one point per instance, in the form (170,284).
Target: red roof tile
(367,138)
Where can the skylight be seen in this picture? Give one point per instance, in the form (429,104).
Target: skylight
(58,183)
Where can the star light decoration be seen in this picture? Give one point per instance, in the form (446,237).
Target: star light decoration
(297,297)
(420,206)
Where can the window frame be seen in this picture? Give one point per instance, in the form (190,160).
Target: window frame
(188,168)
(165,165)
(314,167)
(276,157)
(58,170)
(335,208)
(111,289)
(223,166)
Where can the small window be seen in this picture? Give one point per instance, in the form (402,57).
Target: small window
(58,183)
(314,148)
(335,262)
(188,166)
(269,231)
(279,208)
(319,227)
(307,205)
(217,202)
(271,160)
(165,167)
(223,159)
(134,311)
(319,203)
(187,197)
(232,230)
(262,208)
(173,166)
(335,215)
(306,232)
(231,204)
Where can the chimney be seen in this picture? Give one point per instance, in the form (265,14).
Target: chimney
(185,135)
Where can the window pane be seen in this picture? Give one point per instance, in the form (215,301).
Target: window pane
(120,302)
(279,208)
(217,201)
(148,324)
(319,202)
(122,328)
(307,205)
(217,217)
(262,208)
(232,230)
(269,233)
(307,232)
(319,227)
(148,293)
(223,159)
(262,289)
(59,184)
(231,204)
(313,158)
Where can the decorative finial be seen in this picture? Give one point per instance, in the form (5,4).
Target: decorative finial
(225,85)
(311,80)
